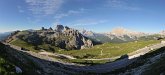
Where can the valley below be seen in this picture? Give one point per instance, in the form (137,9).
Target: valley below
(48,63)
(66,51)
(82,37)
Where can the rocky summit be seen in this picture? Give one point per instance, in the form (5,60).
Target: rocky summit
(62,37)
(120,35)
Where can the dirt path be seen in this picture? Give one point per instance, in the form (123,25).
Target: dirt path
(108,67)
(57,55)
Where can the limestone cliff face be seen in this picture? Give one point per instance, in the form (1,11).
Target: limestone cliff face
(73,39)
(63,37)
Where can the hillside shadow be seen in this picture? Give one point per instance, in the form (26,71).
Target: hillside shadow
(57,68)
(125,56)
(139,62)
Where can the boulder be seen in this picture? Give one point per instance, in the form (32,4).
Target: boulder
(18,70)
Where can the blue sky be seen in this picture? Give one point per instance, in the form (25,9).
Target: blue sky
(95,15)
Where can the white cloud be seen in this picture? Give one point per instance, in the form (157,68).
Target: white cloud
(115,3)
(57,17)
(121,4)
(44,7)
(87,22)
(70,12)
(20,10)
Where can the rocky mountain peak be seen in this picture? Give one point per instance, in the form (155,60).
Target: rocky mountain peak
(87,33)
(59,28)
(118,34)
(162,32)
(62,37)
(120,31)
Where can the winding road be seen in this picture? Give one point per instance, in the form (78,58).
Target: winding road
(108,67)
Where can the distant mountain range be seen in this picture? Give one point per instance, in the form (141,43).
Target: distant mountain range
(20,60)
(120,35)
(61,37)
(117,35)
(162,32)
(4,35)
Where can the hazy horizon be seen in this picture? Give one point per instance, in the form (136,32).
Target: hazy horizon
(88,30)
(95,15)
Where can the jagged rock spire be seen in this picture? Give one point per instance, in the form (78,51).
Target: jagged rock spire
(59,28)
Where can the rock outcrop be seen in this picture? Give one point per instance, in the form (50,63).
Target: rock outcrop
(63,37)
(59,28)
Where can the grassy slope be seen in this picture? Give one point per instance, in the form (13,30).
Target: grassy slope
(8,61)
(156,68)
(6,68)
(28,46)
(23,44)
(109,49)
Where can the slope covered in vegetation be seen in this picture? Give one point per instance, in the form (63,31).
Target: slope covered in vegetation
(108,50)
(10,61)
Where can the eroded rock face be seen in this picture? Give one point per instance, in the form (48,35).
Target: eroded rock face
(77,40)
(59,28)
(63,37)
